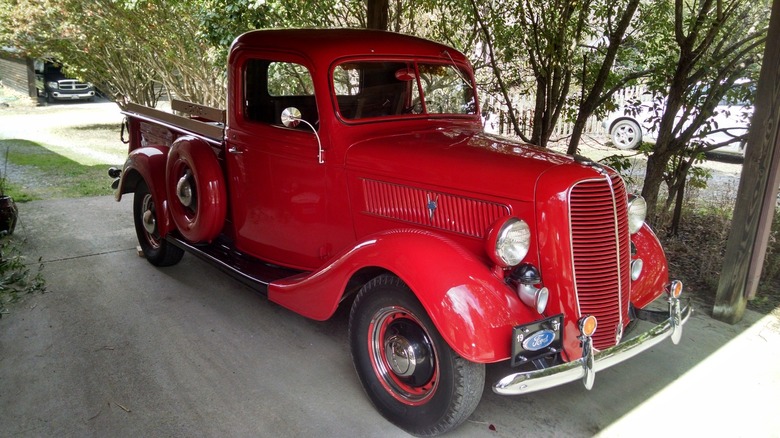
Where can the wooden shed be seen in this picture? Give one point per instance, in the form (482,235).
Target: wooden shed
(17,72)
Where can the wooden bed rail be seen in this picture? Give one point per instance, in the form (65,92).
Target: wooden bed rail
(213,130)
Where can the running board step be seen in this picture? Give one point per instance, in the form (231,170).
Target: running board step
(246,269)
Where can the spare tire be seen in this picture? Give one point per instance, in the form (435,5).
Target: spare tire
(196,190)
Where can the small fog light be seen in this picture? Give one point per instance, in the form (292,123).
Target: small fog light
(636,268)
(588,325)
(675,289)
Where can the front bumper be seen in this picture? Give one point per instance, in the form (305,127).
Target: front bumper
(59,95)
(586,367)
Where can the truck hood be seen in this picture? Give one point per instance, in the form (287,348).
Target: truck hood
(462,160)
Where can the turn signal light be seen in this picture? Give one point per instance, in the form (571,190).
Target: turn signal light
(675,289)
(588,325)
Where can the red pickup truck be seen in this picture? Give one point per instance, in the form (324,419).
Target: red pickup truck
(351,168)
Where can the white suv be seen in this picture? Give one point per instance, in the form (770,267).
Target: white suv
(628,128)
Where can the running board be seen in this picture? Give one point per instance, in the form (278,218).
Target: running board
(244,268)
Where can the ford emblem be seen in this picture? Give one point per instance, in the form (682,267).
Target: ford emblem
(539,340)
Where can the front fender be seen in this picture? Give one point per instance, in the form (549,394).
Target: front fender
(472,308)
(655,271)
(148,164)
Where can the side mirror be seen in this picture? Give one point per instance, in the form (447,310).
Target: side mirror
(405,74)
(291,117)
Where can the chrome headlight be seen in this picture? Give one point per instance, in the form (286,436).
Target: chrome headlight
(509,241)
(637,211)
(53,85)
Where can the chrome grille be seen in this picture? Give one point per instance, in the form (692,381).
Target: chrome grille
(71,85)
(601,253)
(472,217)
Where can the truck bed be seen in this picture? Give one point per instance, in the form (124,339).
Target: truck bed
(203,120)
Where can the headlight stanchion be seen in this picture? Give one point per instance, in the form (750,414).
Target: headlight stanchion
(637,212)
(588,326)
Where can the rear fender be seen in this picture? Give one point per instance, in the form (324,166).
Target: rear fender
(472,308)
(148,164)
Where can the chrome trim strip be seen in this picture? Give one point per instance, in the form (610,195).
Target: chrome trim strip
(585,367)
(621,290)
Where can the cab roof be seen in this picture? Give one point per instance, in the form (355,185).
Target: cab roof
(330,44)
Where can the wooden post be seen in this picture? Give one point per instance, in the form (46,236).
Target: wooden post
(31,88)
(757,194)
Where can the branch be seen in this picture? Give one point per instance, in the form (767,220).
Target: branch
(497,72)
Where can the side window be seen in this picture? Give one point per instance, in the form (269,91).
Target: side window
(270,87)
(288,79)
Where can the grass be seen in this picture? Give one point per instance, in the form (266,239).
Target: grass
(39,173)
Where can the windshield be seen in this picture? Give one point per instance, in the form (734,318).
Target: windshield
(369,89)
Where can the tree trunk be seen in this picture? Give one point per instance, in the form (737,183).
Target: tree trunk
(377,14)
(576,133)
(678,190)
(654,175)
(596,95)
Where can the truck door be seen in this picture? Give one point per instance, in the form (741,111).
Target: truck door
(277,185)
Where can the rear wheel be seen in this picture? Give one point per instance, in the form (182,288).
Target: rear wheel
(411,375)
(156,249)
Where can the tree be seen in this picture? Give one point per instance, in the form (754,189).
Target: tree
(701,50)
(221,21)
(542,37)
(599,81)
(377,14)
(128,48)
(547,49)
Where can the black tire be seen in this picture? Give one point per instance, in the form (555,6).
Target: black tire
(626,134)
(157,250)
(430,396)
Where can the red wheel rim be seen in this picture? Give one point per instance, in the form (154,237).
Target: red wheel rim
(403,356)
(149,221)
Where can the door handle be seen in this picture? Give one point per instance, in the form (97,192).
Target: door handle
(235,150)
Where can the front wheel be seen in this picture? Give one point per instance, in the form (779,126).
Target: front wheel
(156,249)
(411,375)
(626,134)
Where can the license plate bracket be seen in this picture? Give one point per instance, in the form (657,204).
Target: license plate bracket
(537,339)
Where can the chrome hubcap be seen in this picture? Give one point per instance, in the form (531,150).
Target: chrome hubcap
(400,355)
(147,217)
(184,189)
(403,355)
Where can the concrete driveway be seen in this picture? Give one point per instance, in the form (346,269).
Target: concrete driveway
(118,348)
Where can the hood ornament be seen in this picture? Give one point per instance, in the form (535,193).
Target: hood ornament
(585,161)
(431,205)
